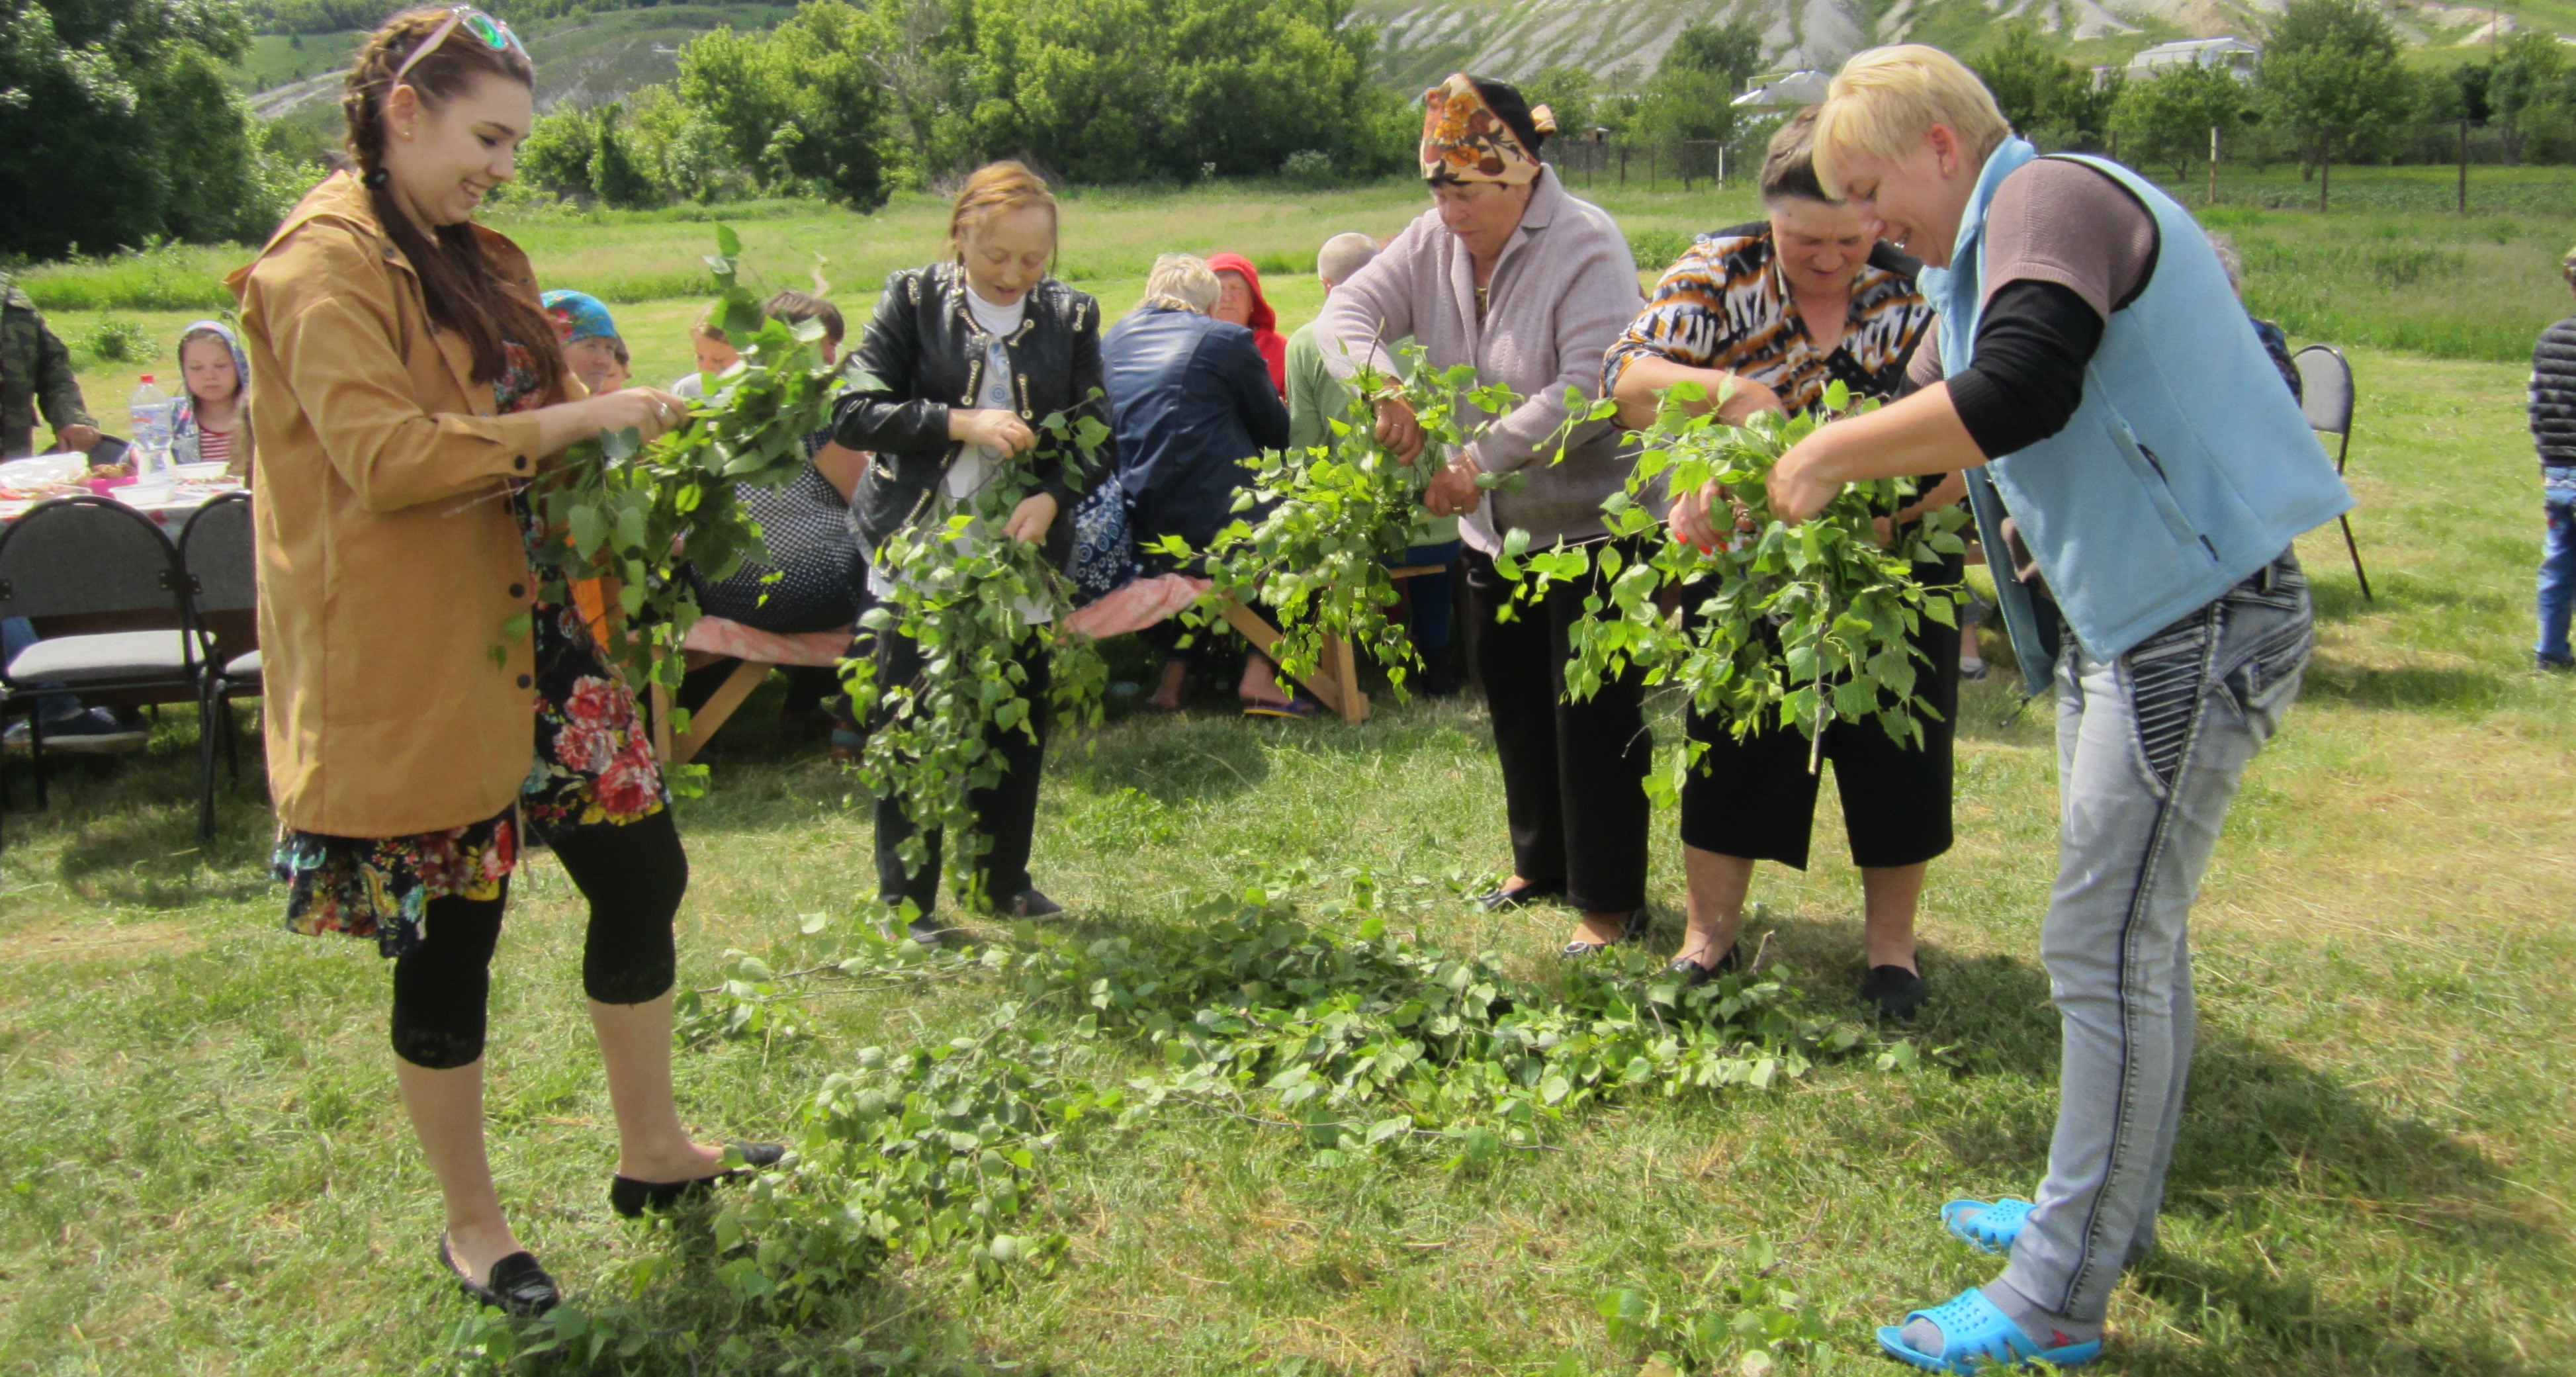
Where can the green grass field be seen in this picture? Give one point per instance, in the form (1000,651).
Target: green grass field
(2390,267)
(203,1167)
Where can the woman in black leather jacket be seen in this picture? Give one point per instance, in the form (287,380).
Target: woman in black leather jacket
(959,364)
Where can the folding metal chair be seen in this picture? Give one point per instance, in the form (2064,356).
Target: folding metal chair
(89,557)
(2325,384)
(216,550)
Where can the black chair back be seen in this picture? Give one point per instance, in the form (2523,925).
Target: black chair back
(76,556)
(2325,380)
(216,549)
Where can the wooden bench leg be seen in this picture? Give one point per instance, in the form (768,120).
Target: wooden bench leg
(1265,638)
(729,696)
(1345,673)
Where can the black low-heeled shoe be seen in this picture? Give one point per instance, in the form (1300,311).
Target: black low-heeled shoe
(1498,899)
(1694,974)
(1895,991)
(631,1198)
(1634,930)
(516,1285)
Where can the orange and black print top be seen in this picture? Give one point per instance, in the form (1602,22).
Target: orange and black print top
(1725,305)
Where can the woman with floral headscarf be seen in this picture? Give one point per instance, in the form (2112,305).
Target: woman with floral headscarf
(212,422)
(1510,274)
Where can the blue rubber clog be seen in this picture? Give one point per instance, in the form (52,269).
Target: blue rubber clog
(1988,1227)
(1976,1336)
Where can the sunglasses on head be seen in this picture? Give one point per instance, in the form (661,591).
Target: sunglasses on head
(494,34)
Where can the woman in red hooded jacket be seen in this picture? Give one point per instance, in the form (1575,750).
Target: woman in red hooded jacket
(1240,302)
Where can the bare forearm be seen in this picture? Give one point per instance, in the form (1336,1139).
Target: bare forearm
(1949,492)
(1642,382)
(1920,434)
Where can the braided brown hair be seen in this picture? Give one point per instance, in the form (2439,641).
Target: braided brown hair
(457,281)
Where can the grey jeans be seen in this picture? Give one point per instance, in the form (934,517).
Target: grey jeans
(2150,747)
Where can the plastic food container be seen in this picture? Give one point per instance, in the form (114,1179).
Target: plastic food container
(201,473)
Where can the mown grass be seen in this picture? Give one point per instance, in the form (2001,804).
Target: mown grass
(203,1167)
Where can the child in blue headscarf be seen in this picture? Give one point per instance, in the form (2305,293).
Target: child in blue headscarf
(211,424)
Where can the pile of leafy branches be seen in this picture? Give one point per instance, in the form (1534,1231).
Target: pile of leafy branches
(976,603)
(1358,1039)
(1780,625)
(631,513)
(1330,520)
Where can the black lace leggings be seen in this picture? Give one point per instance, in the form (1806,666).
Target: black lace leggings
(633,875)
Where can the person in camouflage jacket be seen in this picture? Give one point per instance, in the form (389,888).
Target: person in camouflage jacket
(36,371)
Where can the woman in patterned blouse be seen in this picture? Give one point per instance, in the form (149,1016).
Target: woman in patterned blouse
(1763,317)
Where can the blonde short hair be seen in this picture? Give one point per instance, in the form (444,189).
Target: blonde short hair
(993,189)
(1884,100)
(1183,282)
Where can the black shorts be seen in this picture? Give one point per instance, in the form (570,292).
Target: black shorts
(1754,798)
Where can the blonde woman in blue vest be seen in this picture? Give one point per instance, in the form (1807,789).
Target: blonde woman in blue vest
(2097,379)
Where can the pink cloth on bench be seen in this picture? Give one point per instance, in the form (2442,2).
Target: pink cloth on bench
(716,636)
(1135,605)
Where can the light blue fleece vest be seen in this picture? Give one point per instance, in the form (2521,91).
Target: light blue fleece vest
(2186,467)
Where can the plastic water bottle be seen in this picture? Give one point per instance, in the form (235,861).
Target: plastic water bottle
(148,424)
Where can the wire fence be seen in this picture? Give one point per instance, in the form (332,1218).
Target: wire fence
(1685,163)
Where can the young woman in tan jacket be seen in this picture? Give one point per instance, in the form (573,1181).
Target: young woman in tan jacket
(427,711)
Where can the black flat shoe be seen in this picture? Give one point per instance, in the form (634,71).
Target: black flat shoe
(926,930)
(1896,991)
(1634,930)
(1497,899)
(1029,903)
(516,1285)
(1694,974)
(631,1198)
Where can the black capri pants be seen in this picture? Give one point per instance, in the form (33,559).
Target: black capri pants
(633,876)
(1573,773)
(1754,798)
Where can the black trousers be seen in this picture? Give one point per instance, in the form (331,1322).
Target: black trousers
(1573,773)
(1006,813)
(633,876)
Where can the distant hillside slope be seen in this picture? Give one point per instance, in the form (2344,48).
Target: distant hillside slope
(586,61)
(1620,41)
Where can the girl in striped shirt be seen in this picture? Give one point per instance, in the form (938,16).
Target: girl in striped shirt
(213,424)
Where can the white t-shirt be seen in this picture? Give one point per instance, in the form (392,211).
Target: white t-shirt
(978,465)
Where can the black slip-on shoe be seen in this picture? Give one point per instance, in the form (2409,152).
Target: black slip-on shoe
(1634,930)
(631,1198)
(1498,898)
(516,1285)
(1896,991)
(1030,903)
(1693,973)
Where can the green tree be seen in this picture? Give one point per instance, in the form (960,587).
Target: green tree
(2041,93)
(800,105)
(1732,51)
(2529,74)
(2332,80)
(1567,92)
(1115,90)
(120,112)
(1691,97)
(622,182)
(685,155)
(559,152)
(2168,118)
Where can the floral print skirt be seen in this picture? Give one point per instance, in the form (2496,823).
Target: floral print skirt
(593,764)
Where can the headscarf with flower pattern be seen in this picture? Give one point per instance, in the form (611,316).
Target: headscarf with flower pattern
(1463,140)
